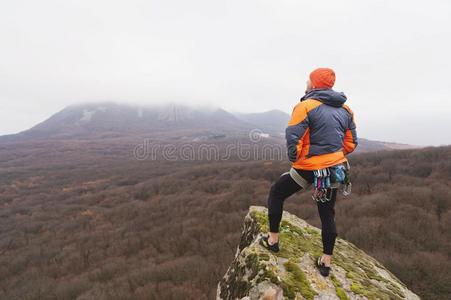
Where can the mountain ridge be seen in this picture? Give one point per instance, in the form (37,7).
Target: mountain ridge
(115,120)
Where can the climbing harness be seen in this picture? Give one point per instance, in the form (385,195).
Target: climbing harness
(324,180)
(298,179)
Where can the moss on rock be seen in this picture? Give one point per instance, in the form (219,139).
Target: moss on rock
(296,281)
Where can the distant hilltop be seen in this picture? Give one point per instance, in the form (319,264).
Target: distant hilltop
(113,120)
(256,273)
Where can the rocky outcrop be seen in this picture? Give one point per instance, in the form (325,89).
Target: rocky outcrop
(256,273)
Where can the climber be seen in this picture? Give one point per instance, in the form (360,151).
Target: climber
(319,135)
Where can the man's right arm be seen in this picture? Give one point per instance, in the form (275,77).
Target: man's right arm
(297,128)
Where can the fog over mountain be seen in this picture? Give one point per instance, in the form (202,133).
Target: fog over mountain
(106,120)
(391,58)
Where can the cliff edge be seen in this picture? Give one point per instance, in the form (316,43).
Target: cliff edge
(256,273)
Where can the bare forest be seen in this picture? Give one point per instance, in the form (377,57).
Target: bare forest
(80,221)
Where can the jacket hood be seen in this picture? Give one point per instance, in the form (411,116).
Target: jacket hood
(326,96)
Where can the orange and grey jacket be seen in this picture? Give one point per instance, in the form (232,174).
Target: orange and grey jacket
(321,130)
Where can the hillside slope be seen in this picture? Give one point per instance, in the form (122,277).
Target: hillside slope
(272,121)
(256,273)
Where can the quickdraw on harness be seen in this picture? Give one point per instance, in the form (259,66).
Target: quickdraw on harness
(321,184)
(328,178)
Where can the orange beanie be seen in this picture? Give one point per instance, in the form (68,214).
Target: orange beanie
(322,78)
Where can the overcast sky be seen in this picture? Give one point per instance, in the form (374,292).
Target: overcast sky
(392,58)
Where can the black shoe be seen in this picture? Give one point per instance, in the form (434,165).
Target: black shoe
(265,243)
(322,267)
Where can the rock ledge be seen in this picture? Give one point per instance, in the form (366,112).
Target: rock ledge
(256,273)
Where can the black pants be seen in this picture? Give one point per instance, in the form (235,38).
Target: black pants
(283,188)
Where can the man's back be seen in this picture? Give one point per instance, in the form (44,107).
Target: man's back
(321,130)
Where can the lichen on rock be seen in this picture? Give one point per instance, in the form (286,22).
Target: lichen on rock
(257,273)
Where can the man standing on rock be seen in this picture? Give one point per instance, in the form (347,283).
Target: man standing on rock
(319,135)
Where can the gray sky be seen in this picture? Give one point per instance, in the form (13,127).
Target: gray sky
(392,58)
